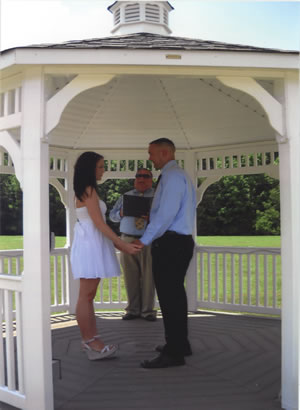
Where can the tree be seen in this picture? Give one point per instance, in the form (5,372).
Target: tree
(11,206)
(232,206)
(268,221)
(110,191)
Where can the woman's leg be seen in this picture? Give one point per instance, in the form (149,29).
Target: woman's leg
(85,314)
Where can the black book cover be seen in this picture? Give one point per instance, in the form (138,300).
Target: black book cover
(136,205)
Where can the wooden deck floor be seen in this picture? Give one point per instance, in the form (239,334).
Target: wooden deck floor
(235,366)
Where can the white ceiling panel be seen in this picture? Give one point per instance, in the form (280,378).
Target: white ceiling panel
(130,111)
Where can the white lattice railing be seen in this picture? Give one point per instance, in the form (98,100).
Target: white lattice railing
(11,352)
(231,278)
(239,279)
(10,102)
(252,159)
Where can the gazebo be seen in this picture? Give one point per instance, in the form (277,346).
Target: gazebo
(230,109)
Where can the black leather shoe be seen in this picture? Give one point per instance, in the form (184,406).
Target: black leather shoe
(162,361)
(129,316)
(187,350)
(150,318)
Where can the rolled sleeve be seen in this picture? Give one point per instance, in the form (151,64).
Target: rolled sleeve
(114,214)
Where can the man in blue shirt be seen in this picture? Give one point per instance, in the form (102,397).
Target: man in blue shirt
(172,221)
(137,268)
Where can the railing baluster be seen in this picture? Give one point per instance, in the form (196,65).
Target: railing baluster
(265,280)
(274,282)
(241,279)
(2,358)
(19,332)
(55,273)
(119,288)
(217,277)
(110,290)
(257,278)
(101,292)
(9,333)
(62,279)
(209,276)
(232,279)
(249,279)
(224,278)
(201,277)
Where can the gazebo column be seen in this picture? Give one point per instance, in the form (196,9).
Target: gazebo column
(290,239)
(191,277)
(36,290)
(70,222)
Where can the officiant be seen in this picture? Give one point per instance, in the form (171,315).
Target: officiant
(132,211)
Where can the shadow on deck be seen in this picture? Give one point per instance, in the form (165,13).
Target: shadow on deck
(235,366)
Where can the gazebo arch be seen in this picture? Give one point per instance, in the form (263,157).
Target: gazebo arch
(114,95)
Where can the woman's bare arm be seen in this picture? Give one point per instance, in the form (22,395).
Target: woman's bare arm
(91,201)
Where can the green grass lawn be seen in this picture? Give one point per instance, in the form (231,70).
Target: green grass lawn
(16,242)
(255,241)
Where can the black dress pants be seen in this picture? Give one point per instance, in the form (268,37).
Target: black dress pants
(171,255)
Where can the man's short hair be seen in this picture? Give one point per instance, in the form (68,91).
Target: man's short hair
(145,169)
(164,141)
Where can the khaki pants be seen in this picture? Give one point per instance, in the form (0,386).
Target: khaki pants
(138,280)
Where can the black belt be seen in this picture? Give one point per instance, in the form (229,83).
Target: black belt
(132,236)
(171,233)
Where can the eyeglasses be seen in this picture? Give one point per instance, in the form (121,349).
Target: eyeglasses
(147,176)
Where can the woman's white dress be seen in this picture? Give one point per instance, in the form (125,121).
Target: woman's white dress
(93,255)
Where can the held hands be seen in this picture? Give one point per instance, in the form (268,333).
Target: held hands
(138,243)
(132,248)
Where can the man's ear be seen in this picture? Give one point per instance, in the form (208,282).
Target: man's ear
(165,152)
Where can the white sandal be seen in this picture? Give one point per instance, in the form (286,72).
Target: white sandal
(93,354)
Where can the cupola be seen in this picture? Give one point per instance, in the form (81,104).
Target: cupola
(141,17)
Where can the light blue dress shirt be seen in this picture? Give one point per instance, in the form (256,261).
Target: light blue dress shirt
(174,204)
(127,223)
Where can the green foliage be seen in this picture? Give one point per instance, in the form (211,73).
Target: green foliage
(240,205)
(110,191)
(57,212)
(236,205)
(268,221)
(11,206)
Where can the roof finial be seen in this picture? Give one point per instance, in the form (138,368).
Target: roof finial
(141,17)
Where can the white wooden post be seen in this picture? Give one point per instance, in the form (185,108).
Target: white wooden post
(289,154)
(191,277)
(71,219)
(36,295)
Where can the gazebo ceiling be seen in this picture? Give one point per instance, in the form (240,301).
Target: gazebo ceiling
(130,111)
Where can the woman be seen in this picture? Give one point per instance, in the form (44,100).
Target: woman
(92,255)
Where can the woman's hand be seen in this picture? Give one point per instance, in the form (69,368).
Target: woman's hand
(131,248)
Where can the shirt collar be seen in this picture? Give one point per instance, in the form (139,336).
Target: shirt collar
(168,165)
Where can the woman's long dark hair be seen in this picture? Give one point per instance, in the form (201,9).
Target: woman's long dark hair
(85,173)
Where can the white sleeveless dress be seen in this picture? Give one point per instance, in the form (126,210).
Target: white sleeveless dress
(93,255)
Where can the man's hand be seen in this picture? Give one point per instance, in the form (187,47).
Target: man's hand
(138,243)
(121,212)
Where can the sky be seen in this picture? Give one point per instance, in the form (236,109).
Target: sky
(271,24)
